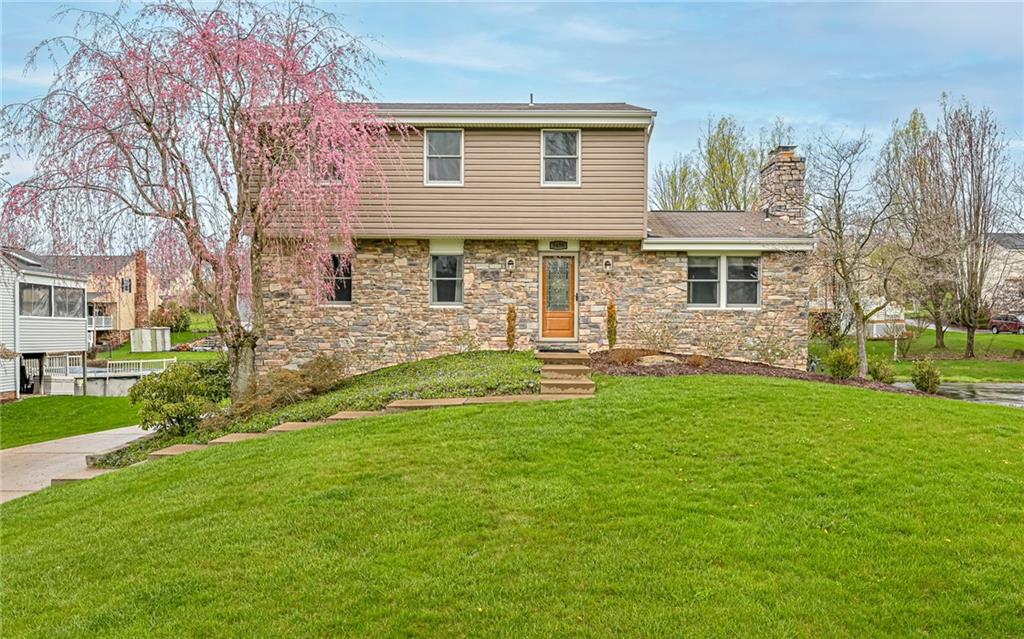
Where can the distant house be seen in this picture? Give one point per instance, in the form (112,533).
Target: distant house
(121,292)
(42,313)
(1007,272)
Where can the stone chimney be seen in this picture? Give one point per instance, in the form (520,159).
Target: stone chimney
(141,290)
(782,186)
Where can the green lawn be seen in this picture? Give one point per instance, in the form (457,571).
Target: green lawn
(993,363)
(37,419)
(474,374)
(688,506)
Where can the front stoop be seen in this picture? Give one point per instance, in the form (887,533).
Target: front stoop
(175,450)
(565,373)
(231,438)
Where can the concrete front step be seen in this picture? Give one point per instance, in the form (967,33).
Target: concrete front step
(564,371)
(231,438)
(175,450)
(554,357)
(566,386)
(291,427)
(80,475)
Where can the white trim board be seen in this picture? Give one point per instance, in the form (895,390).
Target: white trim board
(719,244)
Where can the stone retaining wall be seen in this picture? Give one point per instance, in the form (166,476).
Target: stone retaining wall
(390,319)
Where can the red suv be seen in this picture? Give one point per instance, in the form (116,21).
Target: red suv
(1007,324)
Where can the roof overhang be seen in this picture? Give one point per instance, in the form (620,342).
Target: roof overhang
(518,118)
(766,244)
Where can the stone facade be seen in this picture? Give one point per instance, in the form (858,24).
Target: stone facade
(390,319)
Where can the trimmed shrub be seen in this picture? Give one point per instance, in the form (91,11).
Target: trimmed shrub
(510,327)
(175,400)
(841,363)
(612,322)
(926,376)
(697,361)
(881,371)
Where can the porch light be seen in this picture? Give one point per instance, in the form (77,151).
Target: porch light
(607,265)
(510,264)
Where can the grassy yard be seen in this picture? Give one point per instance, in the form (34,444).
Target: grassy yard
(37,419)
(200,325)
(993,363)
(467,375)
(692,506)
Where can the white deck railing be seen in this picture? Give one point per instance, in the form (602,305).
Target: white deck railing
(65,365)
(101,322)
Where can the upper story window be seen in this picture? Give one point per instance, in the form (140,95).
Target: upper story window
(446,279)
(68,302)
(740,286)
(443,161)
(35,300)
(560,158)
(340,280)
(126,285)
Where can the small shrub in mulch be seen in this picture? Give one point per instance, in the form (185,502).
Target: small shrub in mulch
(605,363)
(697,361)
(629,356)
(841,363)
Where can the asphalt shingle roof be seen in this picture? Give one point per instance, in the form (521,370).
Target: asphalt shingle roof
(719,224)
(1012,241)
(510,106)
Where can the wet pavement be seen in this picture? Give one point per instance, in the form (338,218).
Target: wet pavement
(1002,393)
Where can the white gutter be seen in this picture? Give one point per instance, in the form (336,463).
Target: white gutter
(638,119)
(728,244)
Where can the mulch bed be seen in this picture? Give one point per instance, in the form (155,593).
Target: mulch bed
(602,363)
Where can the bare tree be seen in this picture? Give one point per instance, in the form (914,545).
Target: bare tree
(676,186)
(852,217)
(972,151)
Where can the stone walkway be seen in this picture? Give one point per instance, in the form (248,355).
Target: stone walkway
(26,469)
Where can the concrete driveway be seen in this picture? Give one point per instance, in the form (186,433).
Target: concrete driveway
(26,469)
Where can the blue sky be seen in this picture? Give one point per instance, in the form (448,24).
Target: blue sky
(833,65)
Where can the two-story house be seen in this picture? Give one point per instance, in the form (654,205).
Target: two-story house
(544,206)
(122,292)
(42,313)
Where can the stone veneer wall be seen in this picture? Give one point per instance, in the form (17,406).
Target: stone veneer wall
(390,319)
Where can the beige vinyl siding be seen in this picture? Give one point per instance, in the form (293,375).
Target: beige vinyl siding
(502,196)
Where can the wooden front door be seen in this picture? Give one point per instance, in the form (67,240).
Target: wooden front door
(558,296)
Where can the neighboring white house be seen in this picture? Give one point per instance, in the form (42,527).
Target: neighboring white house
(1006,274)
(41,313)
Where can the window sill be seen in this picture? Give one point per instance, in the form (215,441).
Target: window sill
(444,306)
(443,184)
(336,304)
(560,185)
(697,307)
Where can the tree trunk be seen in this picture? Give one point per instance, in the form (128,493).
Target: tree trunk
(969,351)
(940,331)
(242,366)
(862,346)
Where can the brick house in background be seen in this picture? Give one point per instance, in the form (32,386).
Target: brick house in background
(544,206)
(121,292)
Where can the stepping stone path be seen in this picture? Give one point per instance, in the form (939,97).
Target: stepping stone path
(231,438)
(564,375)
(80,475)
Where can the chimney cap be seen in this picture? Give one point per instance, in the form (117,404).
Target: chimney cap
(784,150)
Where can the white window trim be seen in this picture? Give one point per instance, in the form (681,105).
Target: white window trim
(431,279)
(723,283)
(579,161)
(462,159)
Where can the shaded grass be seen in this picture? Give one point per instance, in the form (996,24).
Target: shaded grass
(693,506)
(993,364)
(38,419)
(473,374)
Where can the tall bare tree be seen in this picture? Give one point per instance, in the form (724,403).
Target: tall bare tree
(676,186)
(852,217)
(972,151)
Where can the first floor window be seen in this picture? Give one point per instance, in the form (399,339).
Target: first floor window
(445,279)
(126,285)
(724,281)
(68,302)
(702,281)
(341,279)
(743,281)
(35,300)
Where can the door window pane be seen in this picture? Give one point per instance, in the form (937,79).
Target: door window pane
(446,279)
(558,272)
(35,300)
